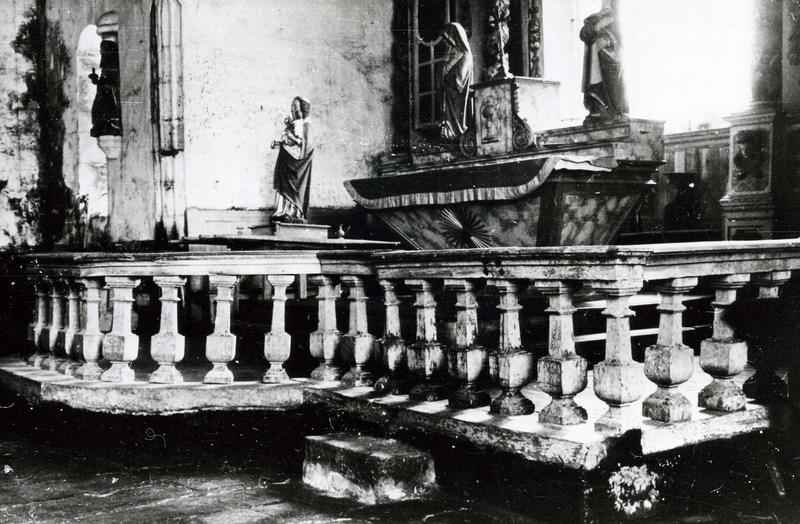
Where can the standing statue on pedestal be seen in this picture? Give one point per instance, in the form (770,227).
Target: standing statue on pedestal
(603,86)
(456,79)
(292,179)
(106,113)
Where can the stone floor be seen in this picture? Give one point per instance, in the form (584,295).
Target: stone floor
(64,465)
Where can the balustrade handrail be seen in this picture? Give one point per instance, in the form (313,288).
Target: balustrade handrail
(66,334)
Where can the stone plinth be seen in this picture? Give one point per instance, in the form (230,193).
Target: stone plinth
(368,469)
(748,210)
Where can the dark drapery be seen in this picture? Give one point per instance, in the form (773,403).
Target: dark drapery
(293,178)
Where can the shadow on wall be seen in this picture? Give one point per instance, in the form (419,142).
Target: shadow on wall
(50,208)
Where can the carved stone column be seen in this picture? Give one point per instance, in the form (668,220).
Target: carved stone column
(71,364)
(221,344)
(723,356)
(278,343)
(324,342)
(38,331)
(562,373)
(57,326)
(168,347)
(471,360)
(89,340)
(765,386)
(618,380)
(393,345)
(670,362)
(120,345)
(515,364)
(427,344)
(358,338)
(497,39)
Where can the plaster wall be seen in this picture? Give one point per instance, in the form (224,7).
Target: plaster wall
(18,145)
(245,60)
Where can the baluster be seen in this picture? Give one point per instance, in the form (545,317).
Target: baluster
(167,347)
(71,364)
(669,362)
(324,342)
(471,360)
(56,342)
(120,345)
(393,346)
(514,363)
(358,338)
(618,380)
(89,340)
(221,344)
(39,331)
(723,356)
(426,346)
(562,373)
(278,343)
(765,386)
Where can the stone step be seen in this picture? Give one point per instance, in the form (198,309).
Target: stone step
(368,469)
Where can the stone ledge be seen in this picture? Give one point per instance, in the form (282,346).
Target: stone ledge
(577,447)
(142,398)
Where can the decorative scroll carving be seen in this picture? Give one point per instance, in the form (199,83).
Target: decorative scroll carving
(496,55)
(522,136)
(534,39)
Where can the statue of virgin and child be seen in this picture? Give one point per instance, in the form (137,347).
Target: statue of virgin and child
(292,176)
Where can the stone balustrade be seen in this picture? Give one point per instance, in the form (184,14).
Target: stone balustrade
(383,318)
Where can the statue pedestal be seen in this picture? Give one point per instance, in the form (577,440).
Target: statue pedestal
(748,209)
(609,141)
(295,231)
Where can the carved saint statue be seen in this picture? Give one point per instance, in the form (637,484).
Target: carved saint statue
(603,87)
(106,113)
(292,178)
(455,81)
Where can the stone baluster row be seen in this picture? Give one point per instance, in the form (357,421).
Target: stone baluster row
(67,341)
(37,336)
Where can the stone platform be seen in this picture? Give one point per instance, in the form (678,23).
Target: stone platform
(368,469)
(578,447)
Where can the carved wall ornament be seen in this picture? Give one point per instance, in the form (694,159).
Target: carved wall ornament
(767,59)
(534,39)
(496,55)
(489,120)
(463,228)
(750,160)
(794,36)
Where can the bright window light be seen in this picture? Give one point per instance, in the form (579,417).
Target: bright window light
(687,61)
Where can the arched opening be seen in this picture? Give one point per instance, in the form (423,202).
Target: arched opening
(92,163)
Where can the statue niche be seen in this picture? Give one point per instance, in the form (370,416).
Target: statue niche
(106,112)
(603,86)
